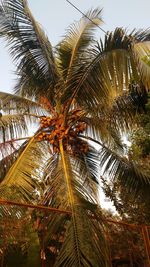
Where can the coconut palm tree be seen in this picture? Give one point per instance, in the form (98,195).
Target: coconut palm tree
(76,96)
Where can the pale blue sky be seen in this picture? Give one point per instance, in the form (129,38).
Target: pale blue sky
(56,15)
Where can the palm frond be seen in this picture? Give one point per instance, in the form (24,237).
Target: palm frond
(136,44)
(142,53)
(87,165)
(29,47)
(27,171)
(108,125)
(55,186)
(118,64)
(84,218)
(12,126)
(9,152)
(12,104)
(79,36)
(122,113)
(76,232)
(107,73)
(84,245)
(118,167)
(86,86)
(100,80)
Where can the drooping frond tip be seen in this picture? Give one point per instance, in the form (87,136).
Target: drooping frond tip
(29,47)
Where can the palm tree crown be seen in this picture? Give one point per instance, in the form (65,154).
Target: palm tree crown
(78,96)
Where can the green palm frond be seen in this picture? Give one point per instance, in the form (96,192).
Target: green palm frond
(55,193)
(118,66)
(98,127)
(86,85)
(9,152)
(12,104)
(27,171)
(79,36)
(76,249)
(108,125)
(108,72)
(12,126)
(76,232)
(142,52)
(118,167)
(124,50)
(8,148)
(82,170)
(100,80)
(30,49)
(84,222)
(122,113)
(87,165)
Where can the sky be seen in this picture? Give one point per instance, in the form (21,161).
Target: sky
(56,15)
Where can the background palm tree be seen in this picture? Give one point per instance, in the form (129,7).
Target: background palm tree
(77,95)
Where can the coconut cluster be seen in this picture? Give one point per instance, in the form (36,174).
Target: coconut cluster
(53,129)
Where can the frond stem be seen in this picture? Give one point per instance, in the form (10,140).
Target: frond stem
(32,115)
(15,140)
(80,83)
(91,139)
(14,166)
(70,193)
(71,200)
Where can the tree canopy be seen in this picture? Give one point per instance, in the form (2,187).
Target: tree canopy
(78,95)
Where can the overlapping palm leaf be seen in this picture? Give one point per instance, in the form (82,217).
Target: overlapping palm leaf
(13,104)
(28,166)
(119,168)
(79,36)
(30,49)
(108,69)
(70,233)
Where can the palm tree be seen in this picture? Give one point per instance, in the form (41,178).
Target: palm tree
(77,96)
